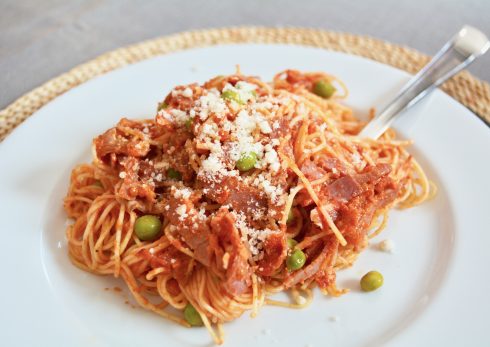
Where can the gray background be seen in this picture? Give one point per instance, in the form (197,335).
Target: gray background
(42,39)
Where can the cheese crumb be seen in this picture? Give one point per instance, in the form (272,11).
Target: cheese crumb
(271,158)
(263,124)
(244,90)
(183,193)
(274,193)
(254,238)
(187,92)
(212,164)
(211,103)
(387,246)
(178,117)
(181,211)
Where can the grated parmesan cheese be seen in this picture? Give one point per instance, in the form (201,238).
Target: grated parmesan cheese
(178,117)
(187,92)
(274,193)
(209,130)
(245,123)
(263,105)
(387,246)
(253,238)
(244,90)
(356,158)
(264,126)
(183,193)
(182,212)
(211,103)
(212,164)
(271,158)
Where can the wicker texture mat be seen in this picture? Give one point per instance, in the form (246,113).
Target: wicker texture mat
(465,88)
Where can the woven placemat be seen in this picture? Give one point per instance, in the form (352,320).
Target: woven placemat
(465,88)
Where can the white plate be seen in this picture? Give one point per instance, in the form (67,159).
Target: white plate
(436,283)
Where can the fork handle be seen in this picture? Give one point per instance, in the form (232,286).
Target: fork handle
(467,45)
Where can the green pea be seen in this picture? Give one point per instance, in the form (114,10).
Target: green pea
(174,174)
(291,243)
(98,184)
(162,106)
(147,227)
(296,260)
(192,316)
(290,217)
(232,96)
(371,281)
(324,89)
(188,123)
(247,161)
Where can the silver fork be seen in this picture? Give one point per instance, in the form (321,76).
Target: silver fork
(467,45)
